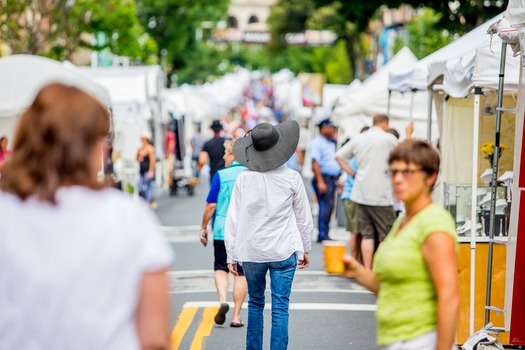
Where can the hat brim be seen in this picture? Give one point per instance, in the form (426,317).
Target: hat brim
(273,158)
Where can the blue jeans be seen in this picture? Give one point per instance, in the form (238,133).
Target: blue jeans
(326,205)
(145,187)
(281,278)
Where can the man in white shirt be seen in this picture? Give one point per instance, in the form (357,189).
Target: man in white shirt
(372,189)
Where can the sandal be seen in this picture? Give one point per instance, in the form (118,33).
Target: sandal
(221,314)
(237,324)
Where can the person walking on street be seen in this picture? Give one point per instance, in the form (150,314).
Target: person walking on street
(415,272)
(372,191)
(213,150)
(326,174)
(4,152)
(269,226)
(91,273)
(218,201)
(197,143)
(146,159)
(170,152)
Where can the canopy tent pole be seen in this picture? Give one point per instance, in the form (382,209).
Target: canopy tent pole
(429,121)
(474,205)
(412,104)
(388,104)
(495,164)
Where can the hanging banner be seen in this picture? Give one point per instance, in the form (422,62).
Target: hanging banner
(312,84)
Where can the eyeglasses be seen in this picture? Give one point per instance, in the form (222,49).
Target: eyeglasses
(405,172)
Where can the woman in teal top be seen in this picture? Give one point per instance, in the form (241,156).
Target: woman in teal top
(415,272)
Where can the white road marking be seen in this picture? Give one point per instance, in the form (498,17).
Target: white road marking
(187,273)
(295,306)
(340,291)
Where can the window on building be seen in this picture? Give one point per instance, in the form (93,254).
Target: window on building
(232,22)
(253,19)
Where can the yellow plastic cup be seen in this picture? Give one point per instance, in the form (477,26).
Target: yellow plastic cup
(334,252)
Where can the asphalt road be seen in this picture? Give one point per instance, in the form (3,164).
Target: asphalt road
(326,311)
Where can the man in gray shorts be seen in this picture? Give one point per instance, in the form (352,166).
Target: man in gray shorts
(372,189)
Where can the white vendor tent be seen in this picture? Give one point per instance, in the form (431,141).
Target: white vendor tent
(22,78)
(480,67)
(424,73)
(515,13)
(356,109)
(333,92)
(136,96)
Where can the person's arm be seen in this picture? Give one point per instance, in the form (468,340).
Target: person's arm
(440,256)
(344,166)
(366,278)
(343,155)
(303,217)
(230,226)
(321,185)
(203,159)
(152,316)
(152,161)
(211,204)
(209,209)
(409,130)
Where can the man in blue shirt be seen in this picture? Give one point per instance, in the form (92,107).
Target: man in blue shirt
(218,201)
(326,173)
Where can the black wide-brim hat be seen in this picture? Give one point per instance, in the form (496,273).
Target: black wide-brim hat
(267,147)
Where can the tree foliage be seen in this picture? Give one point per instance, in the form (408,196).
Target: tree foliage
(288,16)
(57,28)
(174,24)
(461,16)
(423,38)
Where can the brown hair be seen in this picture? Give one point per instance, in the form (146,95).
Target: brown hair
(53,143)
(379,119)
(419,152)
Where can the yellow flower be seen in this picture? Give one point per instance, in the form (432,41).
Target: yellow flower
(488,149)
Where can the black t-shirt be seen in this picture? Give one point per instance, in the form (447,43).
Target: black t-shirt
(215,150)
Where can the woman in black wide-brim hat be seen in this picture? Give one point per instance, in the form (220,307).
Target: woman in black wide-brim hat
(269,226)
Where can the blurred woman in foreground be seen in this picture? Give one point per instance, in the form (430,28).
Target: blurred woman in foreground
(415,272)
(82,266)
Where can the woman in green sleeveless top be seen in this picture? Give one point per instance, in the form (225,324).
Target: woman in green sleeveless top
(415,272)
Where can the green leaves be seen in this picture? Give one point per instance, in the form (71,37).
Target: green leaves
(58,28)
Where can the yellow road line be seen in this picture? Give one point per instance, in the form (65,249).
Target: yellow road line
(183,323)
(205,327)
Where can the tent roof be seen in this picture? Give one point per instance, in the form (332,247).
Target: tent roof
(515,13)
(373,91)
(24,75)
(481,68)
(332,92)
(428,69)
(355,110)
(139,82)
